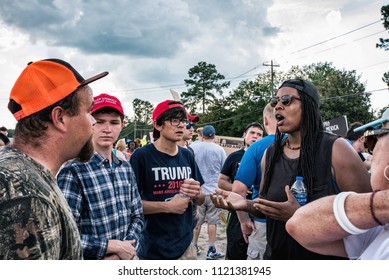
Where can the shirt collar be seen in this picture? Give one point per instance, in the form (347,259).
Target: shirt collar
(99,159)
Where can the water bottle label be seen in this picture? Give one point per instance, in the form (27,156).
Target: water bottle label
(301,199)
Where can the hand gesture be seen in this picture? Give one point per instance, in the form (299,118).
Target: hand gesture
(281,211)
(178,204)
(229,200)
(190,188)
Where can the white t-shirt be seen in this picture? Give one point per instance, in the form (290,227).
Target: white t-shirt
(371,245)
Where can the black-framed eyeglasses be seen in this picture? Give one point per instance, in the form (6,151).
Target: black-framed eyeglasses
(372,135)
(189,125)
(285,100)
(176,122)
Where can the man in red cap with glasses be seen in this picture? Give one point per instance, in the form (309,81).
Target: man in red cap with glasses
(168,180)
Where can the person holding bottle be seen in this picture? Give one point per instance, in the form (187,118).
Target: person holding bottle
(299,190)
(350,224)
(327,162)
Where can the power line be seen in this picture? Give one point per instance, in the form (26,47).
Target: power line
(369,66)
(341,45)
(336,37)
(255,67)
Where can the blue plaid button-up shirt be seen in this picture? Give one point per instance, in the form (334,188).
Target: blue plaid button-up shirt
(104,200)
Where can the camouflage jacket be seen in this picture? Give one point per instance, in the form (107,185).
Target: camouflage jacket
(35,219)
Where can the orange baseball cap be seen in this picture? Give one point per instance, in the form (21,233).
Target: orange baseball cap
(42,84)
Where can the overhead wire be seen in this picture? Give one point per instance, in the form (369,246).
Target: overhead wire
(291,53)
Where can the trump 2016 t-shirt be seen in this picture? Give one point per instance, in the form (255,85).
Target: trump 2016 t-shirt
(159,177)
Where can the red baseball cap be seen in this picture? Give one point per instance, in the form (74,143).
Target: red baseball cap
(42,84)
(105,100)
(193,118)
(164,106)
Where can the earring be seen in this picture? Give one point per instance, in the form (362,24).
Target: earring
(386,176)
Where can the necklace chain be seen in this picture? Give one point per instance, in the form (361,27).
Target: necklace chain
(291,148)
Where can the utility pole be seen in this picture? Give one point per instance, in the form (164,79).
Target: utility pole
(134,128)
(271,74)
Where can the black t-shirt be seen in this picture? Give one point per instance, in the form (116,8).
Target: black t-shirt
(159,177)
(281,246)
(231,165)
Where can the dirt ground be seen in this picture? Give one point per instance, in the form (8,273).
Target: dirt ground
(221,240)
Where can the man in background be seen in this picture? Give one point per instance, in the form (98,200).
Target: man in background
(4,130)
(236,244)
(210,158)
(357,140)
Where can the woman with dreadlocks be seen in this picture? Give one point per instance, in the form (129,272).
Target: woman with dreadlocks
(327,162)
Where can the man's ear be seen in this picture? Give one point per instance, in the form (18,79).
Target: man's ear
(156,126)
(265,121)
(59,118)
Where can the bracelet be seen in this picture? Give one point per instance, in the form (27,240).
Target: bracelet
(372,208)
(341,217)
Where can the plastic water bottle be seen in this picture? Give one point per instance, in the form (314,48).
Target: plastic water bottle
(299,190)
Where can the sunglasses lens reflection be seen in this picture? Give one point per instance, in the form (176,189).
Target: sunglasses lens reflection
(285,100)
(189,125)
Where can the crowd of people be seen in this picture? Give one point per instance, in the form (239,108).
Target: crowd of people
(100,197)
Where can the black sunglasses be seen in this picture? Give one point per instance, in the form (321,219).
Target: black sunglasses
(285,100)
(189,125)
(371,137)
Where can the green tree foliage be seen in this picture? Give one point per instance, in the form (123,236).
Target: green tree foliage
(384,43)
(142,123)
(204,82)
(127,131)
(341,93)
(243,105)
(142,111)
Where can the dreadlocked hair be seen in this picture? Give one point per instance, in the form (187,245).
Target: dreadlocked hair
(311,135)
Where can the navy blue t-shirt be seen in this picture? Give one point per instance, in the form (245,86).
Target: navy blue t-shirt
(159,177)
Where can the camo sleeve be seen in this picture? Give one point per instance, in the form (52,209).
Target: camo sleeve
(29,229)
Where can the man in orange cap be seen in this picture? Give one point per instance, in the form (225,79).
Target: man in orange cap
(51,102)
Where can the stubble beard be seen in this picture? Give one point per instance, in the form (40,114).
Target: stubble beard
(87,151)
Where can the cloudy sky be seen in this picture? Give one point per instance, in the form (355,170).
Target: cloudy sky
(148,46)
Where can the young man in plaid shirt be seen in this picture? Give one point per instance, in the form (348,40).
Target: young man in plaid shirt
(102,193)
